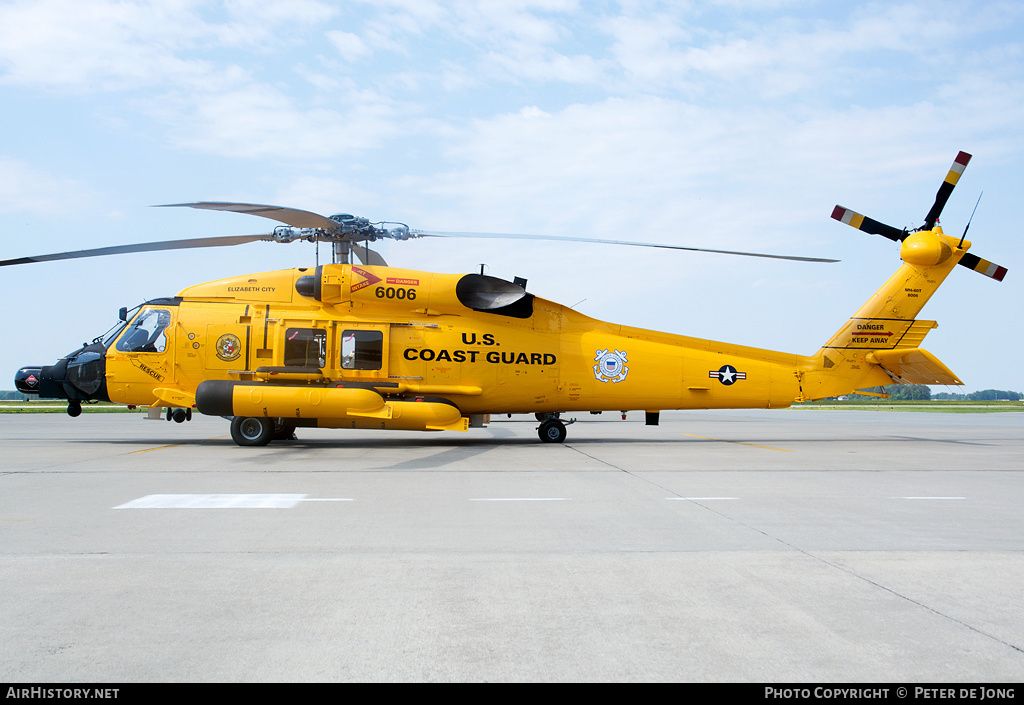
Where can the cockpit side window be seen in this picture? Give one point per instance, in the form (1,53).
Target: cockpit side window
(146,332)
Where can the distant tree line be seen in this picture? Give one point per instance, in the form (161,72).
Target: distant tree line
(908,392)
(922,392)
(12,396)
(983,395)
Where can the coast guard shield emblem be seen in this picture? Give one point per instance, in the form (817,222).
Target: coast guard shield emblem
(611,366)
(228,347)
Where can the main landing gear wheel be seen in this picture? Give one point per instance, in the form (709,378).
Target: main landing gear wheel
(552,431)
(252,430)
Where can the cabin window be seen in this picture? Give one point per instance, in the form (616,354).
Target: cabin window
(305,347)
(146,333)
(362,350)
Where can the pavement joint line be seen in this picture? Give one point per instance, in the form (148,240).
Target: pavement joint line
(700,499)
(150,450)
(912,601)
(739,443)
(520,499)
(632,474)
(857,575)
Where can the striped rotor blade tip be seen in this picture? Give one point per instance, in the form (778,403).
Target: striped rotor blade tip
(946,188)
(983,266)
(959,164)
(845,215)
(867,225)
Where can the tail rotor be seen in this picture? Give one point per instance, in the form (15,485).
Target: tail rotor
(874,227)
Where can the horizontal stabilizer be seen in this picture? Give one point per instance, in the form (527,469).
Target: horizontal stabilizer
(912,366)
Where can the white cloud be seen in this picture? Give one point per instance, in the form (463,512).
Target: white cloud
(25,189)
(547,66)
(782,55)
(349,45)
(328,195)
(119,45)
(259,121)
(84,46)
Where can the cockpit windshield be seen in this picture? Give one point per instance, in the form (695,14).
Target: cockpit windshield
(146,332)
(111,335)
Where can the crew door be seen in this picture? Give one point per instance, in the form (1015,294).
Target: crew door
(142,359)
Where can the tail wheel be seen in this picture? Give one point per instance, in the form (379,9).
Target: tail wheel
(252,430)
(552,431)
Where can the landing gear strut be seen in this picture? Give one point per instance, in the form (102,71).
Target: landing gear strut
(283,431)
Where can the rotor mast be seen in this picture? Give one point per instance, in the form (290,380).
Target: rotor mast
(342,252)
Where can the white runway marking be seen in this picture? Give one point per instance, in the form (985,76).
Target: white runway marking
(214,501)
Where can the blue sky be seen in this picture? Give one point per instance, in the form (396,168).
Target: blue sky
(728,125)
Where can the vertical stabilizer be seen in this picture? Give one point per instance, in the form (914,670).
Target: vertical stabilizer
(881,343)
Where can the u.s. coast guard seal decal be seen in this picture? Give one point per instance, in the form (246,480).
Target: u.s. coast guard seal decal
(611,366)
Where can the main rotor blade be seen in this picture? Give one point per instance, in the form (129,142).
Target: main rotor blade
(867,225)
(519,236)
(142,247)
(289,216)
(368,256)
(959,164)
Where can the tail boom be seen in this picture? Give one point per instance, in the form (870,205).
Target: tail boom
(880,343)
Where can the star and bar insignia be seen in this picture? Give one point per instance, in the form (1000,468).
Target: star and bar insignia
(727,374)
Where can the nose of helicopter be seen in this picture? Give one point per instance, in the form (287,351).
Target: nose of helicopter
(77,377)
(26,380)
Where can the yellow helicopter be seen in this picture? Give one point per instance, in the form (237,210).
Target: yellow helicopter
(364,345)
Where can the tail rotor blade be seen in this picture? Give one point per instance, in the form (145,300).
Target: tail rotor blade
(959,164)
(983,266)
(872,227)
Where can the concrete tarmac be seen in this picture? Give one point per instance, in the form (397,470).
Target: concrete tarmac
(765,546)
